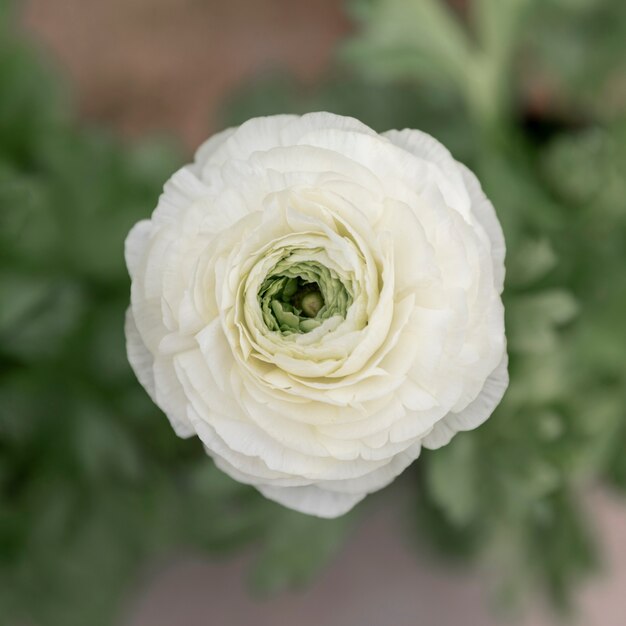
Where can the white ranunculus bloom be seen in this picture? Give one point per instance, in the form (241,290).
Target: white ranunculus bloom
(317,302)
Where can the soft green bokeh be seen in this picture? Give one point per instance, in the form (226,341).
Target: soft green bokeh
(93,483)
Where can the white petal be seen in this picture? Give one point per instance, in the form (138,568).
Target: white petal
(136,245)
(206,150)
(143,365)
(448,178)
(261,134)
(312,499)
(171,398)
(484,211)
(475,413)
(139,357)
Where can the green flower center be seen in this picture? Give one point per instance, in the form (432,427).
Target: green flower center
(298,297)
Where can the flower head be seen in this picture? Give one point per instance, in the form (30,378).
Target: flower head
(317,302)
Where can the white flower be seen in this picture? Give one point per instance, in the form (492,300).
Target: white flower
(316,302)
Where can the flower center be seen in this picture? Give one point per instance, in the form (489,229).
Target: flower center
(307,297)
(312,302)
(298,297)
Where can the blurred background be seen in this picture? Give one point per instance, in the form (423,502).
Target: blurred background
(106,518)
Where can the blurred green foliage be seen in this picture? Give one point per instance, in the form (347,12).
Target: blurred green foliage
(93,483)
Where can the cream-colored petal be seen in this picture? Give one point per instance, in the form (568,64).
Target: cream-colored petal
(139,357)
(313,499)
(447,175)
(135,246)
(143,365)
(475,413)
(484,211)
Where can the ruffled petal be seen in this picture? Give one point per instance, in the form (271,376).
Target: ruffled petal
(475,413)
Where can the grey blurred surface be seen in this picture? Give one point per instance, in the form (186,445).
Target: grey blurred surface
(377,579)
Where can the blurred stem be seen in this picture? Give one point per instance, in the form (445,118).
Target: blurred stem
(487,99)
(487,86)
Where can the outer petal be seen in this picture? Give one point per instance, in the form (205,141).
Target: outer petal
(139,357)
(208,148)
(486,215)
(312,500)
(334,498)
(261,134)
(136,245)
(475,413)
(467,185)
(142,362)
(428,148)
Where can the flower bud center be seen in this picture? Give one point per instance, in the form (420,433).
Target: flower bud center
(312,302)
(299,296)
